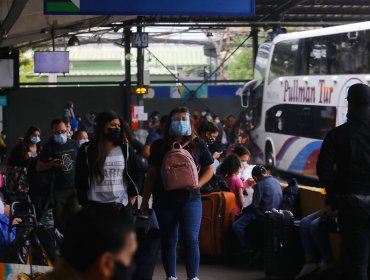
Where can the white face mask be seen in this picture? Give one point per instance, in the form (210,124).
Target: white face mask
(244,164)
(83,141)
(2,211)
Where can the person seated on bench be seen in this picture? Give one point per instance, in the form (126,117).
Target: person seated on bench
(267,196)
(315,240)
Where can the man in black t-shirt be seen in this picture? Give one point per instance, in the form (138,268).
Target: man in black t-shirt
(59,157)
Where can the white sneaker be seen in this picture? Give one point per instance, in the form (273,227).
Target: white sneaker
(171,278)
(195,278)
(307,269)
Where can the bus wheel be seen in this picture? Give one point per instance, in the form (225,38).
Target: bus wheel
(269,158)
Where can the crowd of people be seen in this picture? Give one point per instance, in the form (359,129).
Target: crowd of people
(85,182)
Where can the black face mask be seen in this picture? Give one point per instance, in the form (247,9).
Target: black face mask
(113,134)
(121,272)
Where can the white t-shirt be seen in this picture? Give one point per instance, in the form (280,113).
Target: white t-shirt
(248,196)
(114,186)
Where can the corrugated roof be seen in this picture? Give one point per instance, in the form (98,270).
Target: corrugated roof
(102,60)
(170,55)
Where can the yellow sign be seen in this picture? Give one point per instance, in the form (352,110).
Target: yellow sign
(141,90)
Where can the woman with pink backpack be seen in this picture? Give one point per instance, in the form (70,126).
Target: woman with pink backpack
(180,164)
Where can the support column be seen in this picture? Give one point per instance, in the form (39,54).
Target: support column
(255,44)
(127,86)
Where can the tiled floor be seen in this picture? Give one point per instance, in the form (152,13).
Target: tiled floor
(213,272)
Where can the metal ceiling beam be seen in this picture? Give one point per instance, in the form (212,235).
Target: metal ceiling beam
(14,13)
(329,10)
(282,9)
(261,3)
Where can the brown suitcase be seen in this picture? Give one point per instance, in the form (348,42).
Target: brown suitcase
(217,218)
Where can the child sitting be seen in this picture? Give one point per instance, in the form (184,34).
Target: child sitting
(229,170)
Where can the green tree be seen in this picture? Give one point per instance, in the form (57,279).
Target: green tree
(26,65)
(240,65)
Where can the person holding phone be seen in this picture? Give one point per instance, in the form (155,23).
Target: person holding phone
(58,156)
(209,132)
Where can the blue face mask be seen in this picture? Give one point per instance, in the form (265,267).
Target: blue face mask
(60,138)
(180,128)
(35,139)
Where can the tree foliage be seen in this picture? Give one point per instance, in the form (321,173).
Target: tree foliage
(26,68)
(240,65)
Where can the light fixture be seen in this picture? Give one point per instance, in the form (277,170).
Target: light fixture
(73,41)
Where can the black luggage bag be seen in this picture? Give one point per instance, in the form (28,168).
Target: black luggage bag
(148,235)
(283,254)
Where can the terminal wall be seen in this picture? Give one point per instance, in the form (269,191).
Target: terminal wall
(38,106)
(219,106)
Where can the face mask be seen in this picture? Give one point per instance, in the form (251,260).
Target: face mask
(60,138)
(113,134)
(35,139)
(180,128)
(209,118)
(244,164)
(210,141)
(218,121)
(121,271)
(83,141)
(4,136)
(2,210)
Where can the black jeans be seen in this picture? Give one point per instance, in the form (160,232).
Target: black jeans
(355,227)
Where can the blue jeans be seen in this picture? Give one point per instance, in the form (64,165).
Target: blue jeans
(315,237)
(184,215)
(240,228)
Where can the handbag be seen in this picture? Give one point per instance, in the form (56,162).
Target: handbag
(17,181)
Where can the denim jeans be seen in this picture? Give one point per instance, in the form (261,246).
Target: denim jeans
(240,228)
(315,237)
(355,227)
(182,215)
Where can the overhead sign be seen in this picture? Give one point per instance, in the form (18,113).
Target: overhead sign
(151,7)
(140,40)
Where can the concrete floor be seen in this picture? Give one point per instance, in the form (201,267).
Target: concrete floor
(213,272)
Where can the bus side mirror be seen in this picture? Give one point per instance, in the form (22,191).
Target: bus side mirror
(245,92)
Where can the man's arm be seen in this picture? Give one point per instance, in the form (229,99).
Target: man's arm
(325,167)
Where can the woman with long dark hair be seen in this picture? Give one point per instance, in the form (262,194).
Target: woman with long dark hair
(26,149)
(107,167)
(178,209)
(21,157)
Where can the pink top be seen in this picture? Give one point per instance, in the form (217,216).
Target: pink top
(234,183)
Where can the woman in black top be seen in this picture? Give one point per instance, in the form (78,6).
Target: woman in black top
(26,149)
(20,159)
(178,210)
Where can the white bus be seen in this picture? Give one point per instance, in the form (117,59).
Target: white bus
(299,92)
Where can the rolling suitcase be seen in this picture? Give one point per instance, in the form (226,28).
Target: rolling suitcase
(218,215)
(282,245)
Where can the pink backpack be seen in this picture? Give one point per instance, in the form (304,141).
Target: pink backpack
(179,171)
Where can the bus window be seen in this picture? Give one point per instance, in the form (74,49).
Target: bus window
(262,61)
(301,120)
(345,53)
(283,61)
